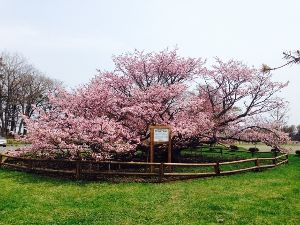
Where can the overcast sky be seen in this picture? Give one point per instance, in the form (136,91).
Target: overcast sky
(68,40)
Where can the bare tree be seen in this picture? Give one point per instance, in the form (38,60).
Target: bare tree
(22,87)
(33,93)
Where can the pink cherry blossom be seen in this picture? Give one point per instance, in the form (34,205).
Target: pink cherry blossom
(113,112)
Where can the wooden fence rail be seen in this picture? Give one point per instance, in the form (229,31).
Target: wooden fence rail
(82,169)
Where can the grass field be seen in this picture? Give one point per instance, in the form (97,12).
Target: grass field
(270,197)
(264,148)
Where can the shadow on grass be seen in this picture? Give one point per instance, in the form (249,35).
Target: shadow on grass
(22,177)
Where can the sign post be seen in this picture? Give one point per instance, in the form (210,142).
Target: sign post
(160,135)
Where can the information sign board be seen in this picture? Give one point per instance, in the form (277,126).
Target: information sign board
(161,135)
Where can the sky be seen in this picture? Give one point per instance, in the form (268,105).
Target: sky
(68,39)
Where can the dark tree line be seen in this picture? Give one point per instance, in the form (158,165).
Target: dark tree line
(293,131)
(22,87)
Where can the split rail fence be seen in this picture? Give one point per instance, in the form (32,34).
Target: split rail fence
(81,169)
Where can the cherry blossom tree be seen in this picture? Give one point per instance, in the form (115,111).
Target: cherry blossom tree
(113,112)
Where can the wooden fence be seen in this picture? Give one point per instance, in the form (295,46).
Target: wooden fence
(85,169)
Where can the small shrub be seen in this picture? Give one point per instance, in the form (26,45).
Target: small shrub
(233,147)
(275,151)
(253,150)
(297,152)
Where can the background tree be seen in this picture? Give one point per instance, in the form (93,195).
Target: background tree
(291,130)
(297,135)
(22,87)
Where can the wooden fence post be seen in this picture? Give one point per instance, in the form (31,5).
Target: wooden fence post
(257,164)
(287,158)
(78,170)
(161,172)
(274,161)
(33,165)
(90,167)
(217,168)
(30,164)
(0,160)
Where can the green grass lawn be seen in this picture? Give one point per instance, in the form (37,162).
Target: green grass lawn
(227,155)
(269,197)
